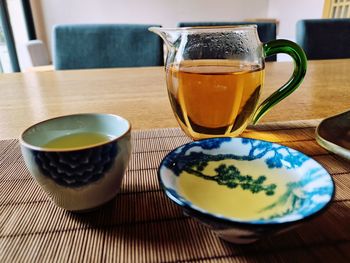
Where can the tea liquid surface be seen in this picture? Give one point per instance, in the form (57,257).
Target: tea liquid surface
(77,140)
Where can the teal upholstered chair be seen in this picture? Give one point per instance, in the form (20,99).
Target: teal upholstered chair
(324,38)
(105,46)
(266,30)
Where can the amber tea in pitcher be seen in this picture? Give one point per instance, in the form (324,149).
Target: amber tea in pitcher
(214,96)
(214,76)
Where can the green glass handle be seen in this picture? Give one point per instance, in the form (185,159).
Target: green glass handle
(300,65)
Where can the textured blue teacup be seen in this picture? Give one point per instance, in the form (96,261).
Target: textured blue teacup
(84,177)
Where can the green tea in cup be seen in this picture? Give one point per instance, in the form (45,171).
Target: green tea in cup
(77,140)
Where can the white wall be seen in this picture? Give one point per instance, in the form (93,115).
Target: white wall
(289,12)
(165,12)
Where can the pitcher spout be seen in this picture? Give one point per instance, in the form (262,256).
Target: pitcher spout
(169,35)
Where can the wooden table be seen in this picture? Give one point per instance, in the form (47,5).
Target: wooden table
(140,95)
(141,224)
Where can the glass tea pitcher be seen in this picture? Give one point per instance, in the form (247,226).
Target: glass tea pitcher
(215,74)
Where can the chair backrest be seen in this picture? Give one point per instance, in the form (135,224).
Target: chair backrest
(324,38)
(105,46)
(266,30)
(38,53)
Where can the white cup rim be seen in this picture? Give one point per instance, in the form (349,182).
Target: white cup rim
(46,149)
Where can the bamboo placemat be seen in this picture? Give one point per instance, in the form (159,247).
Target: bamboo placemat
(142,225)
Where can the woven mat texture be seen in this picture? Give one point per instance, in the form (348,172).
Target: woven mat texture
(142,225)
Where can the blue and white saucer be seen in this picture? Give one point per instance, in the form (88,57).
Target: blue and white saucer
(244,188)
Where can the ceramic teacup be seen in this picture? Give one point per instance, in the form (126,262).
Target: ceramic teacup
(78,160)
